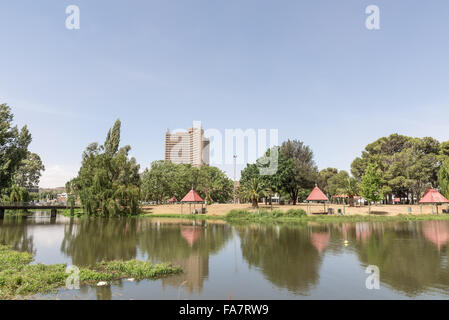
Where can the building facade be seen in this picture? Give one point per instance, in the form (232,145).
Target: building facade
(187,147)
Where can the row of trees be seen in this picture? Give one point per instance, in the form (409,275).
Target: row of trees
(406,166)
(20,169)
(165,180)
(399,166)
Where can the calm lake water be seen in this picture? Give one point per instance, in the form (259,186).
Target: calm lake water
(222,261)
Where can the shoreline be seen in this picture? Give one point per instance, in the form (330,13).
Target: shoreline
(264,215)
(308,218)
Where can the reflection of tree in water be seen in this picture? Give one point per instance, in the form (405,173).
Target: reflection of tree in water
(14,233)
(89,241)
(104,293)
(408,258)
(285,255)
(187,246)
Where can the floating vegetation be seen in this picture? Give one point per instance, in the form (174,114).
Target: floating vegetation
(19,278)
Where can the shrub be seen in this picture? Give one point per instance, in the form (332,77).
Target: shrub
(295,213)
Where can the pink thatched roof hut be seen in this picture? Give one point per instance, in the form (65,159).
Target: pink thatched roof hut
(318,196)
(192,197)
(433,197)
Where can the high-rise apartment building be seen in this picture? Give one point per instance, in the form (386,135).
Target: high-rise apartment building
(187,147)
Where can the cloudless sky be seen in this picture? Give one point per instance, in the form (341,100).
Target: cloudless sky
(309,68)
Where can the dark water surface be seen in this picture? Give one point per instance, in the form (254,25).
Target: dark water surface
(221,261)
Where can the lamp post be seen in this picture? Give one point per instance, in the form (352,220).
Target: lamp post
(235,173)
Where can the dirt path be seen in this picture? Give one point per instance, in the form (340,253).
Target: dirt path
(222,209)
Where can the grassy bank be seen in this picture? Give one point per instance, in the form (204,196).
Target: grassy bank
(292,215)
(76,212)
(183,216)
(18,278)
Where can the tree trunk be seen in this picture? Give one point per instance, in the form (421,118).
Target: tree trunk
(351,201)
(295,197)
(255,203)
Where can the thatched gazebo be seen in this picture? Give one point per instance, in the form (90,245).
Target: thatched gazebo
(433,197)
(192,197)
(317,196)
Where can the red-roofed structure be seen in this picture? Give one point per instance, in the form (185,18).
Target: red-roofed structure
(317,195)
(192,196)
(434,197)
(173,200)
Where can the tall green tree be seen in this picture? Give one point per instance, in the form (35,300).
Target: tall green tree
(113,139)
(29,172)
(323,180)
(253,190)
(14,144)
(214,184)
(297,168)
(370,187)
(443,178)
(108,181)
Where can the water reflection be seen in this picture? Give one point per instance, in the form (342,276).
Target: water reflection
(409,255)
(188,246)
(88,241)
(437,233)
(412,256)
(286,255)
(14,232)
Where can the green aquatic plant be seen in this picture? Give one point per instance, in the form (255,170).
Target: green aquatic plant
(18,278)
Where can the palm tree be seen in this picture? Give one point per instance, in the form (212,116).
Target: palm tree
(351,189)
(253,189)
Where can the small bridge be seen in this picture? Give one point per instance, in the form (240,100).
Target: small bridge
(32,206)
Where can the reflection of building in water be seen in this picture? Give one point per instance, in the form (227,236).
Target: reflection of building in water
(436,232)
(195,269)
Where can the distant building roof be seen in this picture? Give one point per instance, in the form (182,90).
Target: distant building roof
(345,196)
(173,199)
(433,196)
(317,195)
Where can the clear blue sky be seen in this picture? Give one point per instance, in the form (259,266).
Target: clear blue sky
(308,68)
